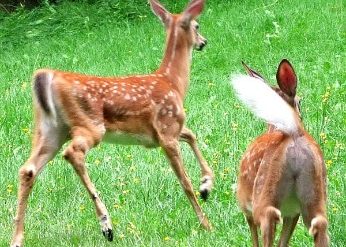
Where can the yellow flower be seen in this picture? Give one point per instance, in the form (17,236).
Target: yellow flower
(197,193)
(82,207)
(323,136)
(121,236)
(226,170)
(26,130)
(10,188)
(126,192)
(329,163)
(97,162)
(166,238)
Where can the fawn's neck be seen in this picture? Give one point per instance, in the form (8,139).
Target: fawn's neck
(176,62)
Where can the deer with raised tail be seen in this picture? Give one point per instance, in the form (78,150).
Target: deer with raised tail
(282,173)
(142,110)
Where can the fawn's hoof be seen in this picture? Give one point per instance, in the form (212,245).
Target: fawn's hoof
(206,186)
(108,234)
(204,194)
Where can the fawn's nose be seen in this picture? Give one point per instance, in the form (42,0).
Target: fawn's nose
(201,44)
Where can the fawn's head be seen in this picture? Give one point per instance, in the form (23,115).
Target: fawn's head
(287,81)
(182,26)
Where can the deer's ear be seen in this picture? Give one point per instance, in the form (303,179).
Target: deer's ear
(286,78)
(160,11)
(192,11)
(251,72)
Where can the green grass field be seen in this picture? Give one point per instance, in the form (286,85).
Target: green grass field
(143,196)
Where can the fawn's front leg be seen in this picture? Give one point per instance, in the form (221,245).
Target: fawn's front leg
(171,148)
(187,135)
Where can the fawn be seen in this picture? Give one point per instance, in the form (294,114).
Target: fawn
(141,109)
(282,172)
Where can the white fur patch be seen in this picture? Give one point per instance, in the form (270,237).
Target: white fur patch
(314,221)
(265,103)
(207,183)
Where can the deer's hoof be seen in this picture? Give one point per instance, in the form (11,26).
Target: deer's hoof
(206,186)
(108,234)
(204,194)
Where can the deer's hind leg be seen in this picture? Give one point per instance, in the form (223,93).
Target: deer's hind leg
(311,193)
(253,229)
(187,135)
(83,139)
(265,212)
(48,139)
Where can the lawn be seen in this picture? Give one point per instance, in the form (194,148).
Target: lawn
(143,196)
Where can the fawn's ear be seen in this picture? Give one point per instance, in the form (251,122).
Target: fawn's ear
(160,11)
(251,72)
(192,11)
(286,78)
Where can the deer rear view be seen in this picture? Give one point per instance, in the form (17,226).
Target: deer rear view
(142,109)
(282,173)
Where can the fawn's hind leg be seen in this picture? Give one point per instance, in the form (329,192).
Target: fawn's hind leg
(267,217)
(82,141)
(253,229)
(312,195)
(48,139)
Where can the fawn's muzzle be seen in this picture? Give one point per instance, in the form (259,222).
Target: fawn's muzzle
(201,42)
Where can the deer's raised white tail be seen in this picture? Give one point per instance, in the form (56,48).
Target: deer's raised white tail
(265,103)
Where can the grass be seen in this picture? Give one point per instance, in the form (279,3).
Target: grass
(144,198)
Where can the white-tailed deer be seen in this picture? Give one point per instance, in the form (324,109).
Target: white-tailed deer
(282,173)
(144,110)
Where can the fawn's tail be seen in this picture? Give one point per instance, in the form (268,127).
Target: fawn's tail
(43,91)
(265,103)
